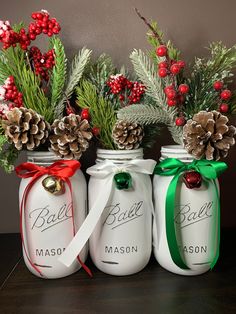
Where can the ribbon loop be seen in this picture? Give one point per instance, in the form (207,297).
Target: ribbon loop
(209,170)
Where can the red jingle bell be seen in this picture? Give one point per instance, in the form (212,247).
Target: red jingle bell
(192,179)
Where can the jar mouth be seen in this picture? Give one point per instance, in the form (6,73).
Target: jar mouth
(40,157)
(119,154)
(175,151)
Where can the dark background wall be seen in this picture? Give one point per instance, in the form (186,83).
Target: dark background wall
(112,26)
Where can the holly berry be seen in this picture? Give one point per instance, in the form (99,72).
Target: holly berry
(183,88)
(175,69)
(168,88)
(163,72)
(96,131)
(85,114)
(192,179)
(171,94)
(161,51)
(163,64)
(180,121)
(224,108)
(181,63)
(122,97)
(218,85)
(171,102)
(225,94)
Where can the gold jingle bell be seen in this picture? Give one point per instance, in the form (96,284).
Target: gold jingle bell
(53,185)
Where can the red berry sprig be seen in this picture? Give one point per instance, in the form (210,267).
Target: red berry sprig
(12,95)
(121,85)
(43,24)
(224,95)
(42,63)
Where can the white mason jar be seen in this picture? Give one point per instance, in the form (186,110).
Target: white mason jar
(121,242)
(194,220)
(48,223)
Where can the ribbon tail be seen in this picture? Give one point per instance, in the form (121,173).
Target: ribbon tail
(82,236)
(217,226)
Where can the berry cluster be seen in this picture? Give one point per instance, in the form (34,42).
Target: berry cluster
(125,88)
(224,95)
(175,94)
(9,92)
(168,66)
(85,115)
(42,63)
(43,24)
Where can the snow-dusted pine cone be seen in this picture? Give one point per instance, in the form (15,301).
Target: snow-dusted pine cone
(127,135)
(70,137)
(208,135)
(25,128)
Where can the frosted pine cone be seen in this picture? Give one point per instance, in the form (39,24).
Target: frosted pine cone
(208,135)
(127,135)
(25,128)
(70,137)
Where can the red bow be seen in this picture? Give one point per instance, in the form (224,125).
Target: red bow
(63,169)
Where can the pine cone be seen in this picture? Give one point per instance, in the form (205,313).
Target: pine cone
(127,135)
(25,128)
(70,136)
(208,135)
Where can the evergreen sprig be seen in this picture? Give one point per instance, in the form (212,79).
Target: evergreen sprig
(146,72)
(101,111)
(8,154)
(58,75)
(78,65)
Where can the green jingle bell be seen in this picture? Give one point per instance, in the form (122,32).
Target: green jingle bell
(53,185)
(123,180)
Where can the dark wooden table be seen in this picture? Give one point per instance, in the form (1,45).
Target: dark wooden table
(153,290)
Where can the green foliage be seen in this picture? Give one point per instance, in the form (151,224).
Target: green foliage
(8,154)
(146,72)
(78,65)
(58,76)
(101,111)
(219,66)
(174,53)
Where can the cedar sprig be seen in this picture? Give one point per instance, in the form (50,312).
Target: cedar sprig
(101,112)
(59,72)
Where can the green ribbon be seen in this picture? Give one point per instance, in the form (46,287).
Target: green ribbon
(123,180)
(209,170)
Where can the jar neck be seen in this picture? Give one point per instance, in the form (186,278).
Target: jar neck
(41,158)
(119,156)
(176,151)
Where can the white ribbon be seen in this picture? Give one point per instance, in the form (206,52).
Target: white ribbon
(106,170)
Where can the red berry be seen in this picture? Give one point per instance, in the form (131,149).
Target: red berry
(122,97)
(180,121)
(218,85)
(168,88)
(161,51)
(181,63)
(183,88)
(225,94)
(163,64)
(175,69)
(163,72)
(85,114)
(171,94)
(224,108)
(96,131)
(171,102)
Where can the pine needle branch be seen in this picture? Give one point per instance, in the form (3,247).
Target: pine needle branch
(101,111)
(77,69)
(58,76)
